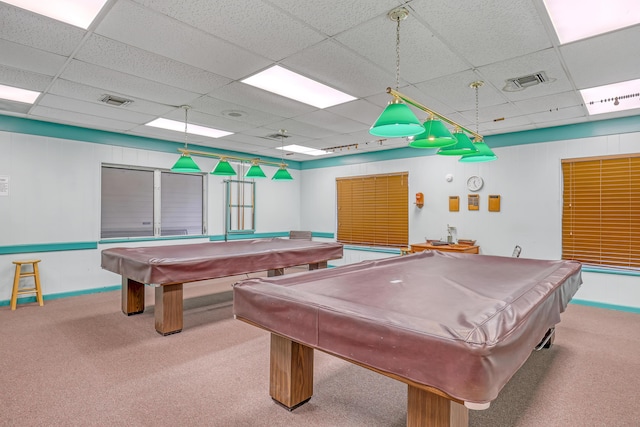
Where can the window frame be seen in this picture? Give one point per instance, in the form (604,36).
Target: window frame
(156,202)
(231,208)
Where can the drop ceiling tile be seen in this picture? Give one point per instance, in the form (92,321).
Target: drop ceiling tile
(30,29)
(301,128)
(244,114)
(24,79)
(131,60)
(488,31)
(282,36)
(359,110)
(245,95)
(419,48)
(87,93)
(331,121)
(610,58)
(545,60)
(455,91)
(557,115)
(216,122)
(123,113)
(14,108)
(545,104)
(111,80)
(79,119)
(149,30)
(27,58)
(336,66)
(333,17)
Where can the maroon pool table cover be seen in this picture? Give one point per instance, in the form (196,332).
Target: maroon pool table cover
(201,261)
(461,323)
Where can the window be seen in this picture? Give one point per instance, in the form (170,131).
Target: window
(374,209)
(150,203)
(601,211)
(241,196)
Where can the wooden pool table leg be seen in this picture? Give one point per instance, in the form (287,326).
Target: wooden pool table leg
(275,272)
(132,296)
(168,309)
(291,372)
(429,409)
(317,265)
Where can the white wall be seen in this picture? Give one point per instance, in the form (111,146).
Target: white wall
(527,177)
(54,197)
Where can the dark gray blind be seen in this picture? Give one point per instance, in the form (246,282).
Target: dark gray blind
(127,203)
(181,204)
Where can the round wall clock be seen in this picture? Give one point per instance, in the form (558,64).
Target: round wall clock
(475,183)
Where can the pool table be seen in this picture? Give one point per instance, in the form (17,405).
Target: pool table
(454,327)
(168,267)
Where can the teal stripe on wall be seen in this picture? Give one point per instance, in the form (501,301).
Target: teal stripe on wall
(619,272)
(76,133)
(32,299)
(47,247)
(558,133)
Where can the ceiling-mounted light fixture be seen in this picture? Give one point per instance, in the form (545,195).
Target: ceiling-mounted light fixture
(185,163)
(397,120)
(223,168)
(255,171)
(483,153)
(462,146)
(435,135)
(282,174)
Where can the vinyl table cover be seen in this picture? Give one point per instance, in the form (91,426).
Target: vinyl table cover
(461,323)
(201,261)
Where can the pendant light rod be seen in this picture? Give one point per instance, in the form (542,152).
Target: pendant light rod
(254,160)
(434,113)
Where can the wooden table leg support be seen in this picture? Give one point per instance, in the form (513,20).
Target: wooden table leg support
(291,372)
(132,296)
(168,308)
(429,409)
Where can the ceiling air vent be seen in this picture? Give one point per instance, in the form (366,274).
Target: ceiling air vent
(521,83)
(115,100)
(277,136)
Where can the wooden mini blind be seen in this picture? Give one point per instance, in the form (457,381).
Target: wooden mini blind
(601,210)
(374,209)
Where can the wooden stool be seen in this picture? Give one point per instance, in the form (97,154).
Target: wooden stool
(20,274)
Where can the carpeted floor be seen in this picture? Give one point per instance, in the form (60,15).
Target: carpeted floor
(81,362)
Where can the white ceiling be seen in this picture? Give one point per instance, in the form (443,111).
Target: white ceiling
(162,54)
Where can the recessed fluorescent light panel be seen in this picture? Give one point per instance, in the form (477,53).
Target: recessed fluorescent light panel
(578,19)
(191,128)
(303,150)
(20,95)
(300,88)
(612,98)
(80,13)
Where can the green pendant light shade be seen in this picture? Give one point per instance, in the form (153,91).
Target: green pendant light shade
(185,164)
(435,135)
(462,147)
(282,174)
(223,168)
(255,171)
(484,154)
(396,121)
